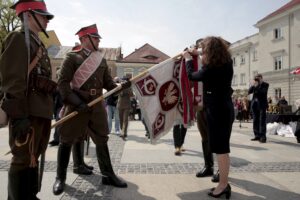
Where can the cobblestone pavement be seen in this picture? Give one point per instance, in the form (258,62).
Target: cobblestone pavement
(90,187)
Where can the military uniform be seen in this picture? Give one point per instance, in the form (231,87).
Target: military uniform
(27,101)
(124,106)
(90,90)
(94,119)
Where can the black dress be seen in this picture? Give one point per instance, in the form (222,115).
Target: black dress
(218,104)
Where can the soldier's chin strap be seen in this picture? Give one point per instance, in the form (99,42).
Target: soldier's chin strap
(92,43)
(39,24)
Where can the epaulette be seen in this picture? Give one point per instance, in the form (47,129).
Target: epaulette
(77,48)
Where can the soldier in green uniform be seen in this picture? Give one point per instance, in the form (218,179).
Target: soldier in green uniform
(25,74)
(84,74)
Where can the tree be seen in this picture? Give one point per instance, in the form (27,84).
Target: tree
(9,21)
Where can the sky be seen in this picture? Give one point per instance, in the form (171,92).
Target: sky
(168,25)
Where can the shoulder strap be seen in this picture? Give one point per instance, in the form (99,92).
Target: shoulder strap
(35,60)
(87,68)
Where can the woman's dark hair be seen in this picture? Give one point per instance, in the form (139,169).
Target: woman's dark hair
(216,50)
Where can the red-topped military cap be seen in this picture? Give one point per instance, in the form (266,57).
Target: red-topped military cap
(36,6)
(88,30)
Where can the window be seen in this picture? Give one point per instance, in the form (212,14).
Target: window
(278,63)
(128,72)
(243,59)
(233,61)
(254,55)
(243,79)
(234,82)
(277,33)
(277,93)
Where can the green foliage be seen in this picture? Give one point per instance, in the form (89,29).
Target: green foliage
(8,19)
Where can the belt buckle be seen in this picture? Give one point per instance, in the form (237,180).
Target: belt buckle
(93,92)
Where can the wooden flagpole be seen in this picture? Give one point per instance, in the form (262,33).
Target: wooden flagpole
(107,94)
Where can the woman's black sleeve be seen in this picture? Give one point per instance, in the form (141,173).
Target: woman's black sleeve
(193,76)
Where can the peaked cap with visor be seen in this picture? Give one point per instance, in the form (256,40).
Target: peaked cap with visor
(37,6)
(89,30)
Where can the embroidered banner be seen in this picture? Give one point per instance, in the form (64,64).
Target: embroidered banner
(159,97)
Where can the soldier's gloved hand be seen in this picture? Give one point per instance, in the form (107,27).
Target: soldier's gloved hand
(82,108)
(20,128)
(73,99)
(79,105)
(126,84)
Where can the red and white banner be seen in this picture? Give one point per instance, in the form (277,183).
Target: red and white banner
(160,93)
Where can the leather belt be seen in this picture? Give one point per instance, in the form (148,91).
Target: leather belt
(92,92)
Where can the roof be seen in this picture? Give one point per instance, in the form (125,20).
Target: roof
(59,52)
(146,54)
(284,8)
(52,40)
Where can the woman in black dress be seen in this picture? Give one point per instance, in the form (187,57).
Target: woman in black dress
(216,76)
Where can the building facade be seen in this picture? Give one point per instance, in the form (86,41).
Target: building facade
(139,61)
(273,52)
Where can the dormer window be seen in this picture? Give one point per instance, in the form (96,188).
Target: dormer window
(150,57)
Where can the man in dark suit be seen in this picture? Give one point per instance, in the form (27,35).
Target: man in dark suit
(259,105)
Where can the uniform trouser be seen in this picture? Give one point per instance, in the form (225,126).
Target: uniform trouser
(179,132)
(259,122)
(23,178)
(203,129)
(124,113)
(98,133)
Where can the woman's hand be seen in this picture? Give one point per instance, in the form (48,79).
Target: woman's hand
(186,54)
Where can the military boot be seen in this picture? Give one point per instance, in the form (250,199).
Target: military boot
(34,182)
(79,166)
(208,169)
(18,183)
(106,169)
(63,156)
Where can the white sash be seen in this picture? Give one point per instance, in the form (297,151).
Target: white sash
(87,68)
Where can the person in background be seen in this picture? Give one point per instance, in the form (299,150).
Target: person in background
(216,75)
(58,104)
(123,106)
(259,105)
(179,132)
(112,111)
(282,102)
(25,73)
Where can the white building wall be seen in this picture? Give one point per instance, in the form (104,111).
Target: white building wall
(267,47)
(295,39)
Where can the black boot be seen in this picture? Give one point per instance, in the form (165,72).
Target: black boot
(63,156)
(19,183)
(106,169)
(34,182)
(216,177)
(79,166)
(208,169)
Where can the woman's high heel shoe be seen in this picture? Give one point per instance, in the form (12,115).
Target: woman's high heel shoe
(226,191)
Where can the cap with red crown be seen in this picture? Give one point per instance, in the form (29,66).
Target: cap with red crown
(88,30)
(36,6)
